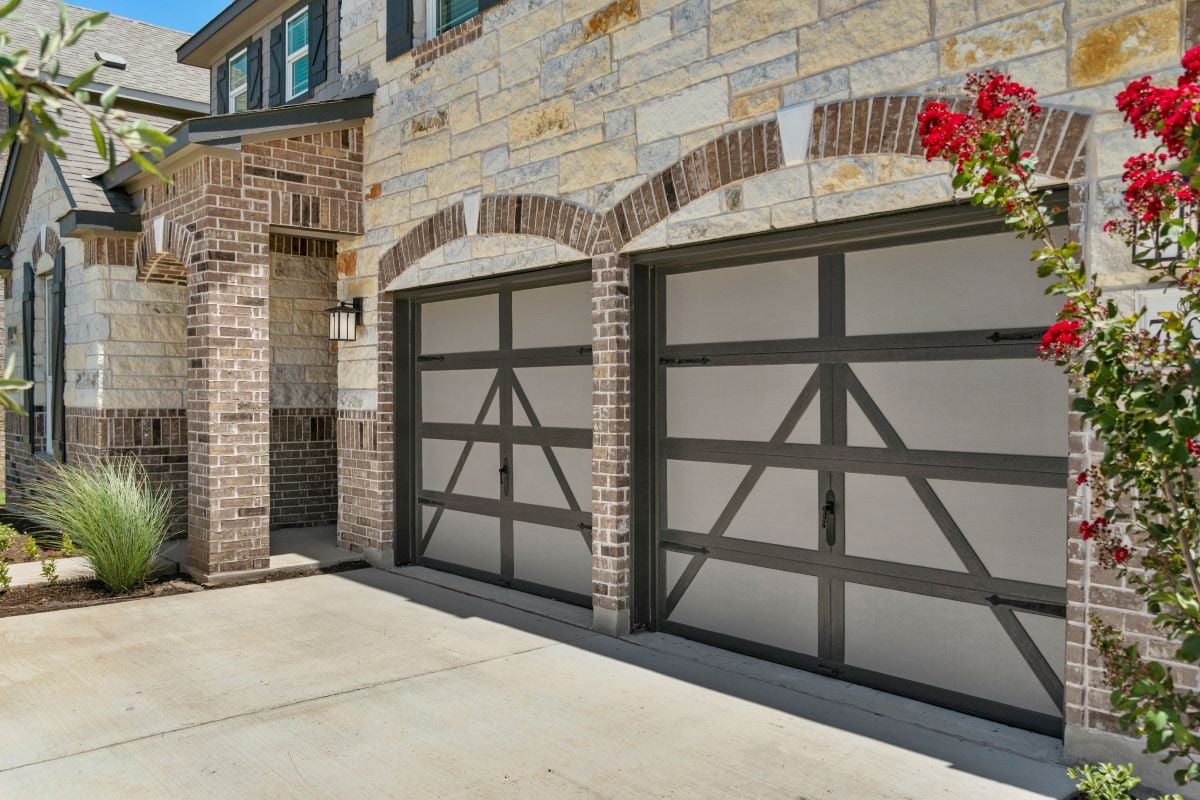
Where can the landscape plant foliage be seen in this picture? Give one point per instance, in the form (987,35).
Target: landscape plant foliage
(1136,379)
(110,511)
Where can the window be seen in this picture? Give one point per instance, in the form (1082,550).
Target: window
(48,343)
(297,54)
(239,85)
(445,14)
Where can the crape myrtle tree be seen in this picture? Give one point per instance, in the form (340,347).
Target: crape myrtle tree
(1136,384)
(36,93)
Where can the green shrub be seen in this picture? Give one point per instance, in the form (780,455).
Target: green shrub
(1108,782)
(8,535)
(111,513)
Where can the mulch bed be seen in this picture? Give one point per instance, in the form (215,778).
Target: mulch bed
(16,553)
(78,594)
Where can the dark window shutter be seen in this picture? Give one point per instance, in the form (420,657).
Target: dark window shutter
(399,26)
(318,50)
(27,311)
(275,97)
(222,104)
(56,356)
(254,74)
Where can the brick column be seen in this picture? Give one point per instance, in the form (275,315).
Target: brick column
(228,373)
(611,446)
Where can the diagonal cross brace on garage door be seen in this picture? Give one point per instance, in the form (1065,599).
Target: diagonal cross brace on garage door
(1011,601)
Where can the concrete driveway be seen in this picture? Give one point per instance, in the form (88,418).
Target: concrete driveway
(369,684)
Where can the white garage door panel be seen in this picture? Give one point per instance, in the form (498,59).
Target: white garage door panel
(780,509)
(938,642)
(457,395)
(746,403)
(471,540)
(771,301)
(886,520)
(458,326)
(1050,636)
(552,557)
(478,477)
(561,396)
(553,316)
(937,286)
(763,605)
(999,406)
(1018,531)
(539,486)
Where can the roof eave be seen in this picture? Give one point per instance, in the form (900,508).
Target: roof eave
(230,129)
(207,43)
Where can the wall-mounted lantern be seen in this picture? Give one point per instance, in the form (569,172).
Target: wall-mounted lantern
(1160,250)
(344,319)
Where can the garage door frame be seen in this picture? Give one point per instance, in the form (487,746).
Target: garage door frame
(407,367)
(828,243)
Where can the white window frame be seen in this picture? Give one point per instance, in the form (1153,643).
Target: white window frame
(292,58)
(234,94)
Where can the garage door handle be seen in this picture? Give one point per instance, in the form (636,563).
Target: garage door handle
(504,473)
(687,548)
(829,518)
(1020,336)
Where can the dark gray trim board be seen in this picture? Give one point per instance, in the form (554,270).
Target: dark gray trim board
(75,222)
(211,28)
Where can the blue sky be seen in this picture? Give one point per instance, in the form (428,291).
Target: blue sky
(184,15)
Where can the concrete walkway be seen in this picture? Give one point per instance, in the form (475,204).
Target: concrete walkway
(368,684)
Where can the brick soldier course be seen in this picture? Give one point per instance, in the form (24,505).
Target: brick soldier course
(537,133)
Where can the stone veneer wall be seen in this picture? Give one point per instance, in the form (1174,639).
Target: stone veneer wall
(578,104)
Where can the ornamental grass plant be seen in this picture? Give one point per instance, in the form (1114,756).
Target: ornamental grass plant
(110,512)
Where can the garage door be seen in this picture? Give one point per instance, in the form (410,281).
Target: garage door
(504,462)
(861,472)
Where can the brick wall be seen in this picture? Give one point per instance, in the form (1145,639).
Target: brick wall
(365,475)
(303,467)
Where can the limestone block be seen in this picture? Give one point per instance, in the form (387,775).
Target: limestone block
(529,173)
(792,214)
(679,52)
(519,65)
(642,35)
(688,110)
(862,33)
(558,145)
(689,16)
(772,47)
(520,32)
(823,86)
(773,188)
(656,156)
(455,176)
(148,327)
(893,71)
(561,39)
(1083,11)
(603,163)
(1134,43)
(576,67)
(766,74)
(883,199)
(504,102)
(1010,38)
(476,140)
(430,151)
(1047,72)
(755,104)
(994,9)
(541,122)
(719,227)
(618,123)
(740,23)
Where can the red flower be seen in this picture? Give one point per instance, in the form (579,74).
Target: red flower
(1120,554)
(1151,192)
(1091,528)
(1061,338)
(946,134)
(1193,448)
(1081,479)
(1191,64)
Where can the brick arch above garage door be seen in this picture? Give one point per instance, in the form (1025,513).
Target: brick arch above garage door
(879,125)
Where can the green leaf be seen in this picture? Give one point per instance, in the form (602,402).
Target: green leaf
(98,138)
(109,97)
